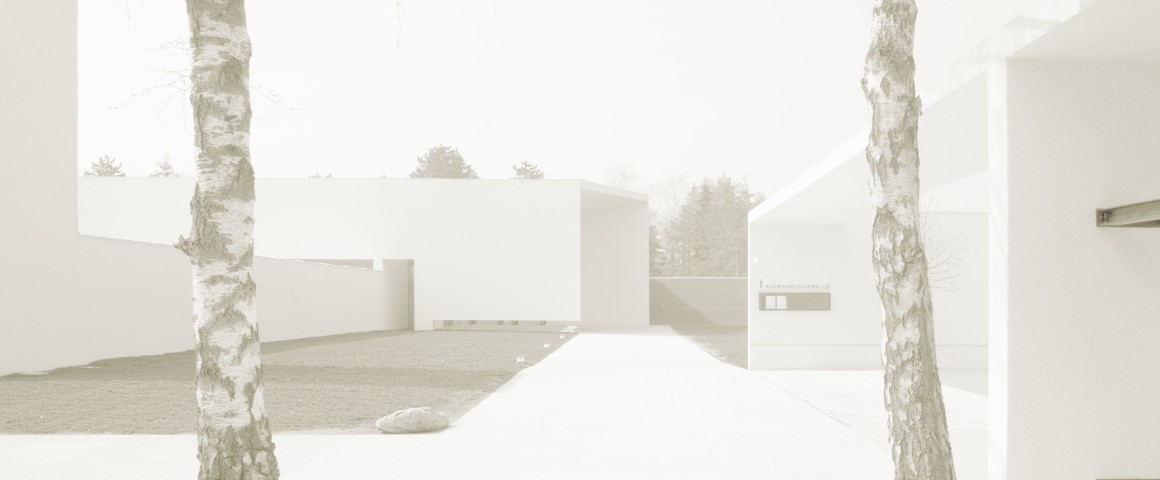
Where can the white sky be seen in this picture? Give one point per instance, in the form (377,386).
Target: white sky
(660,89)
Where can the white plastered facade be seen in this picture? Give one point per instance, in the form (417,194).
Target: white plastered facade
(1022,140)
(483,250)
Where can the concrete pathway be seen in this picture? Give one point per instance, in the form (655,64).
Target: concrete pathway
(854,399)
(636,404)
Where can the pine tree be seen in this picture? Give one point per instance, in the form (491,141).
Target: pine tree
(104,167)
(164,169)
(442,161)
(709,234)
(527,171)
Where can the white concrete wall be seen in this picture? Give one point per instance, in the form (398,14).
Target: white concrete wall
(961,295)
(38,44)
(1079,306)
(115,298)
(849,336)
(845,337)
(153,210)
(483,249)
(303,299)
(614,271)
(399,292)
(69,299)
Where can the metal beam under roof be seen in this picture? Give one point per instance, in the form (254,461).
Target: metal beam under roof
(1143,214)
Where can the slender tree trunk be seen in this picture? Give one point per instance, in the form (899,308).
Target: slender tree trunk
(919,441)
(233,434)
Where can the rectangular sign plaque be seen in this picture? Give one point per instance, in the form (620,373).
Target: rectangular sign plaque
(794,301)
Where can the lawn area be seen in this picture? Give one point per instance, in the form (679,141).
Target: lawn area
(335,384)
(729,343)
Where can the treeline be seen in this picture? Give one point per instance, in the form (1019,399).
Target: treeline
(109,167)
(440,161)
(708,235)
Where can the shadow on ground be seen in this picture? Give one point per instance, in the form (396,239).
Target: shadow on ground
(710,312)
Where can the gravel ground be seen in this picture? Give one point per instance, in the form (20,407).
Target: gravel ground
(335,384)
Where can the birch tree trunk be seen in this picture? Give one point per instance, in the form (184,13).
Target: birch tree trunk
(233,434)
(920,445)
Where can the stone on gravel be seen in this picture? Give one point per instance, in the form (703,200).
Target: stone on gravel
(413,420)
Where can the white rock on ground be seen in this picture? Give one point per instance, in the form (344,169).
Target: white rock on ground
(413,420)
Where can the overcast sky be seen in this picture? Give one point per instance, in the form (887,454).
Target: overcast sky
(662,89)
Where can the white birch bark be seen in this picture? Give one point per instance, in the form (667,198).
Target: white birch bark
(234,440)
(920,444)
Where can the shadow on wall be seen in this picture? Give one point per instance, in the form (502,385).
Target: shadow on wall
(697,301)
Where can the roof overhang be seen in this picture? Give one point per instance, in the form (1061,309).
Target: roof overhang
(952,145)
(594,196)
(1117,31)
(953,129)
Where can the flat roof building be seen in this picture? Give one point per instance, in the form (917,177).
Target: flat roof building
(487,251)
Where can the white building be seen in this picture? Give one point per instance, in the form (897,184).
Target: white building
(483,251)
(1060,110)
(522,251)
(1053,117)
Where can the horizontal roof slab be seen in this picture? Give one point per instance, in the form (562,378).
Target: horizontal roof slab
(952,146)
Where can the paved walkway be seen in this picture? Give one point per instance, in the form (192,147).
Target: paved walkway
(854,399)
(621,404)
